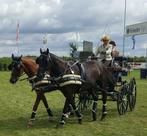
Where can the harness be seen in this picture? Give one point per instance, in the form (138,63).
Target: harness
(72,78)
(64,79)
(30,79)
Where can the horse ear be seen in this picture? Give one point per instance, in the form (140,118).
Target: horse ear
(48,51)
(40,51)
(12,56)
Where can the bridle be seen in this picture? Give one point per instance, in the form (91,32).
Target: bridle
(23,73)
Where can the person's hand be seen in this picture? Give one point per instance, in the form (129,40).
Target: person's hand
(103,52)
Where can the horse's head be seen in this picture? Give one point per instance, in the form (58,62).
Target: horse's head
(44,61)
(16,69)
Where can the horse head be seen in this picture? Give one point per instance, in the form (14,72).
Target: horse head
(44,62)
(16,69)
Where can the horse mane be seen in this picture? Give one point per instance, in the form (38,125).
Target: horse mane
(58,58)
(28,59)
(30,64)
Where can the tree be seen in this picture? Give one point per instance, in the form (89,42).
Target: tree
(5,67)
(73,49)
(0,66)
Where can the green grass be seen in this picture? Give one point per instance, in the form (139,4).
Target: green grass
(16,103)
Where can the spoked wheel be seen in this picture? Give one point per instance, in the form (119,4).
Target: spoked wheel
(132,94)
(79,102)
(122,100)
(82,101)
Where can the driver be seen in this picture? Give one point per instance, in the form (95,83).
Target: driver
(104,51)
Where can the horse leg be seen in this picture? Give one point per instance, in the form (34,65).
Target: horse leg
(69,102)
(46,106)
(33,115)
(64,114)
(94,107)
(70,109)
(104,107)
(76,110)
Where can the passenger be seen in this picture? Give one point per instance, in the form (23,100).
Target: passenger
(104,51)
(115,64)
(115,52)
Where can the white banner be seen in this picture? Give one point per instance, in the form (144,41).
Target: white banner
(136,29)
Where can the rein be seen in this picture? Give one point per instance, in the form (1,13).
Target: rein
(24,73)
(69,67)
(23,78)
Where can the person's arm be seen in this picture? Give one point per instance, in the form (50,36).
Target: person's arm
(109,50)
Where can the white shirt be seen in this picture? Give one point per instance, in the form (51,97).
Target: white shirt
(104,51)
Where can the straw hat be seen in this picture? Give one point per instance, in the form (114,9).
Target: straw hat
(105,38)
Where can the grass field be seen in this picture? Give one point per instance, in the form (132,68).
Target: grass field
(16,103)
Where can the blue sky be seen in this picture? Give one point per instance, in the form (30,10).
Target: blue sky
(65,21)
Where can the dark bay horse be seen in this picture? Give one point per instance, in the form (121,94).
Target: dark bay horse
(18,67)
(96,74)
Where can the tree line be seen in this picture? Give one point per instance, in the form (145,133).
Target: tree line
(5,61)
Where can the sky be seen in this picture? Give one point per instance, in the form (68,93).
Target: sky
(65,21)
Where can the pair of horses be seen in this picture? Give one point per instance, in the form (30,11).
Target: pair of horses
(96,74)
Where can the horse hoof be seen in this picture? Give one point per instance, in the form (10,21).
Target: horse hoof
(59,125)
(103,117)
(30,124)
(51,114)
(50,119)
(80,121)
(94,119)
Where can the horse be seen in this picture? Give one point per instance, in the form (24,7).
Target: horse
(94,74)
(24,65)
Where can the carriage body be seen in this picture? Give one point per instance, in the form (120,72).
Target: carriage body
(124,92)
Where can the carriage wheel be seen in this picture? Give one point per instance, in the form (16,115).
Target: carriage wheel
(79,102)
(122,100)
(132,94)
(82,101)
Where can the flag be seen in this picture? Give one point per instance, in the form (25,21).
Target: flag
(134,41)
(78,37)
(17,32)
(45,39)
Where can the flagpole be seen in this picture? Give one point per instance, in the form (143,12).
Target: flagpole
(17,37)
(44,41)
(124,27)
(146,57)
(18,47)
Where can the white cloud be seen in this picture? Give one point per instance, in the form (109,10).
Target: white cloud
(8,42)
(144,46)
(62,19)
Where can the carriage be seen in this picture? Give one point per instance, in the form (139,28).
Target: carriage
(124,92)
(64,78)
